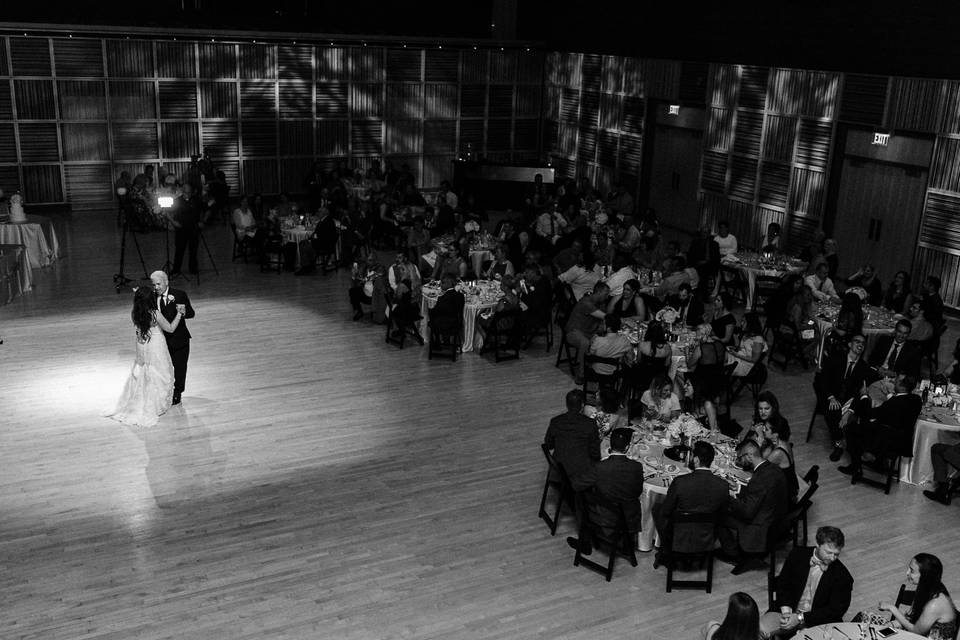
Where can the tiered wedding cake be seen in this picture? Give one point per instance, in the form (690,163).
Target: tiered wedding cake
(16,208)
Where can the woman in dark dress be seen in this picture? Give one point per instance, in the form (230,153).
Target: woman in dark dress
(724,324)
(629,304)
(898,296)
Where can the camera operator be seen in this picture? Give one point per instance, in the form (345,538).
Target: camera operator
(185,217)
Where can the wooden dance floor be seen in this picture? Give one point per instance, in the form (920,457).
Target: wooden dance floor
(319,483)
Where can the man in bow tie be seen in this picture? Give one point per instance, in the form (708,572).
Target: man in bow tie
(178,341)
(813,587)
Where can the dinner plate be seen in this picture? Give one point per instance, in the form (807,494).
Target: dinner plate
(651,460)
(671,468)
(641,447)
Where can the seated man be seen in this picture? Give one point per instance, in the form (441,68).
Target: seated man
(536,296)
(820,283)
(725,240)
(447,315)
(611,345)
(932,302)
(585,318)
(619,479)
(837,384)
(582,277)
(920,328)
(813,587)
(945,458)
(895,354)
(700,492)
(760,505)
(888,427)
(575,442)
(687,305)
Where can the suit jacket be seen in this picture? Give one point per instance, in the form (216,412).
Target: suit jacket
(761,504)
(694,311)
(447,314)
(621,479)
(575,442)
(831,382)
(700,491)
(181,335)
(900,413)
(539,301)
(832,598)
(907,362)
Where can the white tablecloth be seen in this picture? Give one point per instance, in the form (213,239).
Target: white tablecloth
(470,311)
(37,235)
(919,469)
(751,270)
(477,258)
(872,329)
(15,271)
(850,631)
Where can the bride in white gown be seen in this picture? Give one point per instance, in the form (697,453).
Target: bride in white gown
(148,392)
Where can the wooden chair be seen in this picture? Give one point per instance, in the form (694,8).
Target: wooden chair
(566,353)
(397,333)
(754,380)
(812,478)
(702,553)
(538,324)
(888,463)
(272,255)
(726,394)
(241,248)
(557,480)
(788,344)
(615,541)
(446,337)
(504,335)
(765,289)
(600,381)
(777,537)
(734,283)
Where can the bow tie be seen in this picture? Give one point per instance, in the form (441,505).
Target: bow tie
(817,562)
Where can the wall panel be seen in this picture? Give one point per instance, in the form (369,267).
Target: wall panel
(88,186)
(82,99)
(78,57)
(84,141)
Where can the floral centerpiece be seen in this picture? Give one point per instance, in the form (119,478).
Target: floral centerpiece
(604,422)
(667,315)
(685,427)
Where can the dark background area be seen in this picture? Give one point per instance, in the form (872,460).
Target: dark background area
(884,37)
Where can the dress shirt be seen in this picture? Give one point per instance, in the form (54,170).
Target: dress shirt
(580,279)
(892,355)
(550,224)
(610,345)
(822,289)
(616,280)
(728,245)
(813,581)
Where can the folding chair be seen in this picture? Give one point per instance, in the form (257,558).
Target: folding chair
(558,480)
(615,540)
(687,550)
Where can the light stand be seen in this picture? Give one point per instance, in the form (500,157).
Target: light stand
(120,280)
(206,247)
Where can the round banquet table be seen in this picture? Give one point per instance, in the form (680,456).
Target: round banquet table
(38,237)
(475,303)
(935,424)
(16,277)
(849,631)
(751,266)
(877,322)
(681,346)
(659,471)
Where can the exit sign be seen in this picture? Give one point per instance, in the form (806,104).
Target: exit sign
(673,110)
(881,139)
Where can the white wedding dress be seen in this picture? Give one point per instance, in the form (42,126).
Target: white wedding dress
(148,392)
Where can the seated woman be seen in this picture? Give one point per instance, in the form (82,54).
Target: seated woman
(659,401)
(748,347)
(766,419)
(692,401)
(509,301)
(771,239)
(866,278)
(653,357)
(609,413)
(742,621)
(724,322)
(780,453)
(933,614)
(802,321)
(500,266)
(707,363)
(629,304)
(849,323)
(450,263)
(898,296)
(246,227)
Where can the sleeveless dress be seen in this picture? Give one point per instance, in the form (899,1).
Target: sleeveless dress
(148,392)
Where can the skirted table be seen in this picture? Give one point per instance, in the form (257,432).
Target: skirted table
(16,277)
(38,237)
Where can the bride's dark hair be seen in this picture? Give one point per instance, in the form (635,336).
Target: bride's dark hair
(144,302)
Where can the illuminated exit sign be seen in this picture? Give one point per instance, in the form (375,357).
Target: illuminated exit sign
(673,110)
(881,139)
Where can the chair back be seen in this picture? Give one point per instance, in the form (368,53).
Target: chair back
(566,300)
(605,518)
(813,475)
(693,531)
(904,597)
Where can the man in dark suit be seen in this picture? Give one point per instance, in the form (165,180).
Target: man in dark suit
(447,314)
(813,587)
(931,301)
(699,492)
(895,354)
(575,442)
(888,427)
(759,506)
(620,479)
(839,381)
(689,306)
(178,342)
(536,294)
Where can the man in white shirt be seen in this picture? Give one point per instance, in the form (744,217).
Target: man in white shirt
(623,272)
(611,345)
(550,225)
(726,240)
(821,284)
(581,277)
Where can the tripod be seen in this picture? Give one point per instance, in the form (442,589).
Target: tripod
(168,266)
(120,280)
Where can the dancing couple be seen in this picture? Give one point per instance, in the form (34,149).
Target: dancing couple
(163,347)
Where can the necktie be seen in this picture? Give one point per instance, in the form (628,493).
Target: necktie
(816,562)
(894,354)
(849,369)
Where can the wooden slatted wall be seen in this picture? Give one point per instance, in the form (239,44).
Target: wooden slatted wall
(768,148)
(76,111)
